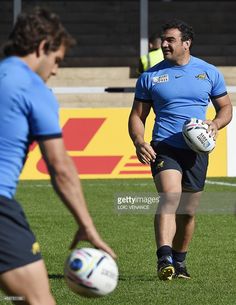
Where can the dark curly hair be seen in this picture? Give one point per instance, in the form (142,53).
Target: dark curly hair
(186,30)
(32,28)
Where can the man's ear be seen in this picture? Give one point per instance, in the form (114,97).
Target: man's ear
(41,48)
(188,43)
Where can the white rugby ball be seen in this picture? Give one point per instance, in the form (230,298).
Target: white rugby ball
(91,272)
(197,137)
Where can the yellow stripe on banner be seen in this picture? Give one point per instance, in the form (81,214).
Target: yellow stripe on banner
(218,157)
(99,144)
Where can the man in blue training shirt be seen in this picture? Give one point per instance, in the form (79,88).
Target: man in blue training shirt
(29,111)
(178,88)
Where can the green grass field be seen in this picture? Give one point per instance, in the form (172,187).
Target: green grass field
(211,259)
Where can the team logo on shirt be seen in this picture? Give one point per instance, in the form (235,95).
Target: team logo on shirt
(201,76)
(161,79)
(35,248)
(160,164)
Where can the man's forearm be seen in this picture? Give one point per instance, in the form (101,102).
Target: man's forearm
(136,130)
(66,183)
(223,116)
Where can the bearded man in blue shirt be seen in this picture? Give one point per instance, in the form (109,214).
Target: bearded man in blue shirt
(178,88)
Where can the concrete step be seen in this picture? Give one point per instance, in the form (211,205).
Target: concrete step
(93,72)
(229,75)
(228,71)
(96,100)
(94,76)
(71,82)
(233,98)
(113,76)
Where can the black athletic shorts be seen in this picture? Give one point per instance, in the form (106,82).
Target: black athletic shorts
(192,165)
(18,246)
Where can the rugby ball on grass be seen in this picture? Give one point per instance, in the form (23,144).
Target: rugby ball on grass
(197,137)
(91,272)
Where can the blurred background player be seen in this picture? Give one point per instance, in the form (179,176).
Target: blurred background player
(154,55)
(29,111)
(178,88)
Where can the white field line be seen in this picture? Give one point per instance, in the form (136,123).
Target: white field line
(143,184)
(220,183)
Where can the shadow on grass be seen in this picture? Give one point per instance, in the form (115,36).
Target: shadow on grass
(132,278)
(138,278)
(56,276)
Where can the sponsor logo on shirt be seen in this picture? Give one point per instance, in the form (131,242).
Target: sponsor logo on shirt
(178,76)
(161,79)
(201,76)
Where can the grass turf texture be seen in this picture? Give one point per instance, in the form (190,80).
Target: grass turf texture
(211,259)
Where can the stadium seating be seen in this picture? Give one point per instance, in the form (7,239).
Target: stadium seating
(107,33)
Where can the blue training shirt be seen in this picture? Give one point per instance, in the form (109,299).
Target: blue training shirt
(28,111)
(178,93)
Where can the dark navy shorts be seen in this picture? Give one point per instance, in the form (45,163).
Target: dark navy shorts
(18,246)
(192,165)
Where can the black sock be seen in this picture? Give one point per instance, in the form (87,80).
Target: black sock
(179,256)
(164,251)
